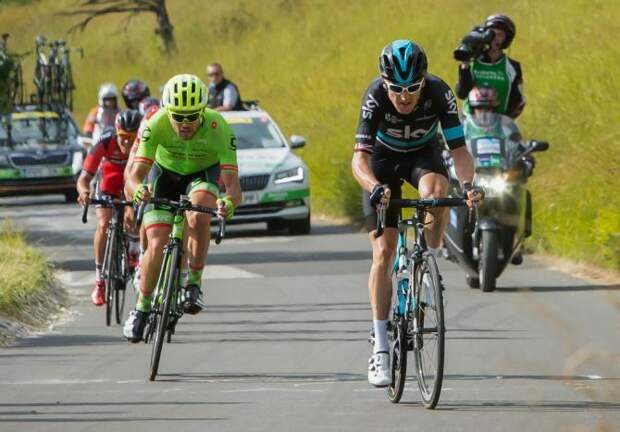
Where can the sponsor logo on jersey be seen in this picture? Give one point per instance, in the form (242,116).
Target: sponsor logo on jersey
(451,102)
(406,132)
(146,134)
(213,124)
(391,118)
(233,143)
(368,107)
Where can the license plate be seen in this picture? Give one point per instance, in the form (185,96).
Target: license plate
(249,198)
(31,172)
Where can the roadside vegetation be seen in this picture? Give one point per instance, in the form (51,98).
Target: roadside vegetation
(309,61)
(27,290)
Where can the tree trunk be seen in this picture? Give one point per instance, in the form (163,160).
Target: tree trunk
(165,28)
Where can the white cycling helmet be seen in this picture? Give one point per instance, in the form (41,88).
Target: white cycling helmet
(107,91)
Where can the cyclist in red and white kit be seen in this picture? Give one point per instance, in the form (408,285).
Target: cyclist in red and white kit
(110,155)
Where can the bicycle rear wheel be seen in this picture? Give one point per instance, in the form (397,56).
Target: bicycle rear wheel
(121,282)
(170,279)
(429,331)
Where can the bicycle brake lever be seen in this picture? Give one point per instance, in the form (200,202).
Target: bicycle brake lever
(85,213)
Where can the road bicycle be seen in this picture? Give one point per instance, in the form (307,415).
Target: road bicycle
(167,307)
(418,322)
(115,271)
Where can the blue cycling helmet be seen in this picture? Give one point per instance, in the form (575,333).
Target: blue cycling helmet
(403,62)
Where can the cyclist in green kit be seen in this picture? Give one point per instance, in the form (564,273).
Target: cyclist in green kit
(184,150)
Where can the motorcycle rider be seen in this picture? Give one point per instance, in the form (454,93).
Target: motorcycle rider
(495,69)
(484,104)
(101,117)
(133,92)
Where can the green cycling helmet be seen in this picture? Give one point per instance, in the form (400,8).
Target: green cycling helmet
(184,93)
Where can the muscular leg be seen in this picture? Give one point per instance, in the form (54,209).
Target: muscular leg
(151,264)
(198,232)
(433,185)
(379,281)
(104,215)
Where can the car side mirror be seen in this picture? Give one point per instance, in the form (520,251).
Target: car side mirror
(539,146)
(297,141)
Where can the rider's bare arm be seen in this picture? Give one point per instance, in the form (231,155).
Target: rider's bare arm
(139,171)
(360,165)
(232,185)
(463,164)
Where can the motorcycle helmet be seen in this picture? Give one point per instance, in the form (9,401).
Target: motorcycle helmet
(502,22)
(483,97)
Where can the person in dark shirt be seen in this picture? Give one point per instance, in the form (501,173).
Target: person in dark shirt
(223,94)
(401,114)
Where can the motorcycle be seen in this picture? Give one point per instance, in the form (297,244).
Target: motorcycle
(485,239)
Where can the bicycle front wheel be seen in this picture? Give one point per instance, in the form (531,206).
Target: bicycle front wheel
(429,331)
(108,271)
(170,279)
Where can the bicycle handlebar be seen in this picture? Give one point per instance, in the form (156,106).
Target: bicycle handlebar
(187,206)
(108,202)
(414,203)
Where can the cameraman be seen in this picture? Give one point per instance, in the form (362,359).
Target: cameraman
(488,65)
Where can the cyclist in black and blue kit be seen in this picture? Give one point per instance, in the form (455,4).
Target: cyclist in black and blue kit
(397,139)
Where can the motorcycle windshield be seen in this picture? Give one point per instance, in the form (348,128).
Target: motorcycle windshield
(493,140)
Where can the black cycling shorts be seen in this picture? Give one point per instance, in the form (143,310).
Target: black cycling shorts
(171,185)
(392,168)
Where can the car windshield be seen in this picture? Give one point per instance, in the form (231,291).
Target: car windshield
(33,128)
(255,133)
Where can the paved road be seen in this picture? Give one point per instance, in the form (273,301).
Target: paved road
(283,347)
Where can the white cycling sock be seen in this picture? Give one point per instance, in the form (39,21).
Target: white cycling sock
(98,268)
(381,340)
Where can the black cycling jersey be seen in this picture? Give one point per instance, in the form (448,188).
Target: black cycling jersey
(380,123)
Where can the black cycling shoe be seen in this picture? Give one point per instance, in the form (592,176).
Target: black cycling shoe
(517,259)
(133,329)
(191,301)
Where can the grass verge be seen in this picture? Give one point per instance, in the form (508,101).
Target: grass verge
(29,294)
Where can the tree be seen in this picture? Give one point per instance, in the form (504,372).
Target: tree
(95,8)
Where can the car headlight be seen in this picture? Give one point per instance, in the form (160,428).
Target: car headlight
(288,176)
(493,185)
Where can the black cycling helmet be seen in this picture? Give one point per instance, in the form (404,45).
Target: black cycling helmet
(403,62)
(147,103)
(127,121)
(502,22)
(134,91)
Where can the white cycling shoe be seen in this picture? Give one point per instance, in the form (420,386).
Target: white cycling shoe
(379,369)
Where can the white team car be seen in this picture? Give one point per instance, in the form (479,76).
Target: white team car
(274,181)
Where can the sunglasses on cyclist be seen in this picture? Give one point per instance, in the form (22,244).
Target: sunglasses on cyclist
(411,88)
(189,117)
(126,138)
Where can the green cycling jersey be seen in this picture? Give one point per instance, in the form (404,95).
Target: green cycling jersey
(213,142)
